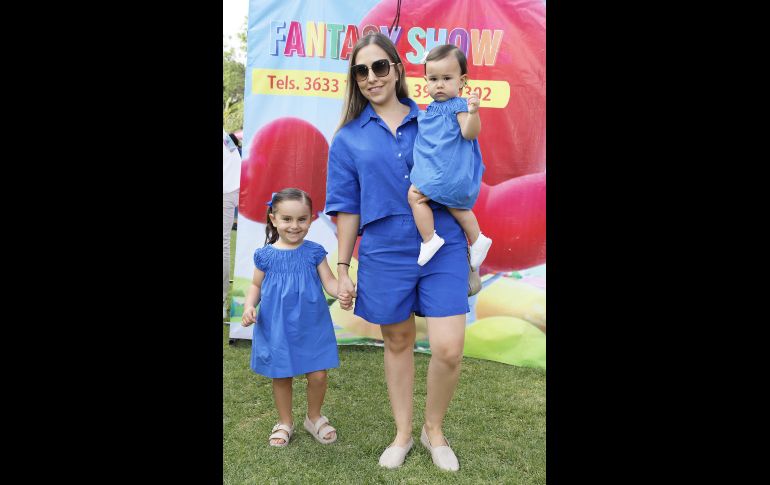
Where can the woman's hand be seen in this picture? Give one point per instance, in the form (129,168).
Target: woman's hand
(346,291)
(346,301)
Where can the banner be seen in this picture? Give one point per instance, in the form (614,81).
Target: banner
(297,59)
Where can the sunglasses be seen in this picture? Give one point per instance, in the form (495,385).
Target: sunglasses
(380,68)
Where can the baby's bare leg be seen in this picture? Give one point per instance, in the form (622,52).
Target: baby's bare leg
(423,214)
(468,222)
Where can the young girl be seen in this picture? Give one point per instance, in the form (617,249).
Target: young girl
(294,333)
(447,160)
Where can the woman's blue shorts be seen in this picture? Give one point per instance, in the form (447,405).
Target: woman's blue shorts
(390,283)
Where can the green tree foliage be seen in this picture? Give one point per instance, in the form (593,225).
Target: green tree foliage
(233,85)
(242,35)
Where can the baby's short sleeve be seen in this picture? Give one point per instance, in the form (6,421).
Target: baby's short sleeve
(459,105)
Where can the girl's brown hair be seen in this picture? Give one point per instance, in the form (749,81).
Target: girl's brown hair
(271,233)
(355,102)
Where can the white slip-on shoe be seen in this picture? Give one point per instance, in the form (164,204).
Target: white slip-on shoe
(393,456)
(479,251)
(428,249)
(443,456)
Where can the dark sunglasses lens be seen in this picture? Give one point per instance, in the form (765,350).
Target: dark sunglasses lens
(361,72)
(381,68)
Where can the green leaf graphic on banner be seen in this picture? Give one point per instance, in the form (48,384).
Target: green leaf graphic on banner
(506,339)
(241,286)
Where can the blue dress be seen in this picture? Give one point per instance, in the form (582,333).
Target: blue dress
(447,167)
(294,333)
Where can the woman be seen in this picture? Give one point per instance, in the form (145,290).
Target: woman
(368,178)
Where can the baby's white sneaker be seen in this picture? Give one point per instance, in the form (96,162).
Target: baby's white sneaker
(479,251)
(428,249)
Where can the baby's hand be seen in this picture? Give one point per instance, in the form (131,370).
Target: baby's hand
(249,317)
(473,104)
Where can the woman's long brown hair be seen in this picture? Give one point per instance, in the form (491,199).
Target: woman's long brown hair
(355,102)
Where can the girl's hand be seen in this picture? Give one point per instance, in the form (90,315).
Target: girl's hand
(473,104)
(249,316)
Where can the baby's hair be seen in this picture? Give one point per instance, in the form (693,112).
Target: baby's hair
(442,51)
(271,233)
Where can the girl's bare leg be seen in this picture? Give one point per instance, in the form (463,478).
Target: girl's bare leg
(282,398)
(316,390)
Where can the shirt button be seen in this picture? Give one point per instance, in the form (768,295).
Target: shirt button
(399,154)
(406,176)
(399,133)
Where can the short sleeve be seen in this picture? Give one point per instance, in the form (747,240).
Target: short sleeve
(459,105)
(343,191)
(260,259)
(317,254)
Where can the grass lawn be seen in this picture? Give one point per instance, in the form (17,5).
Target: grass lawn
(496,424)
(233,236)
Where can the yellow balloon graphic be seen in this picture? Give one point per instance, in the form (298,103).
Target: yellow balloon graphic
(351,271)
(512,298)
(360,327)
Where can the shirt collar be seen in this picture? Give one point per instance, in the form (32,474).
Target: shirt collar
(368,113)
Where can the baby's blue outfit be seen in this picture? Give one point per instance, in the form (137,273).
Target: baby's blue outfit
(294,333)
(447,167)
